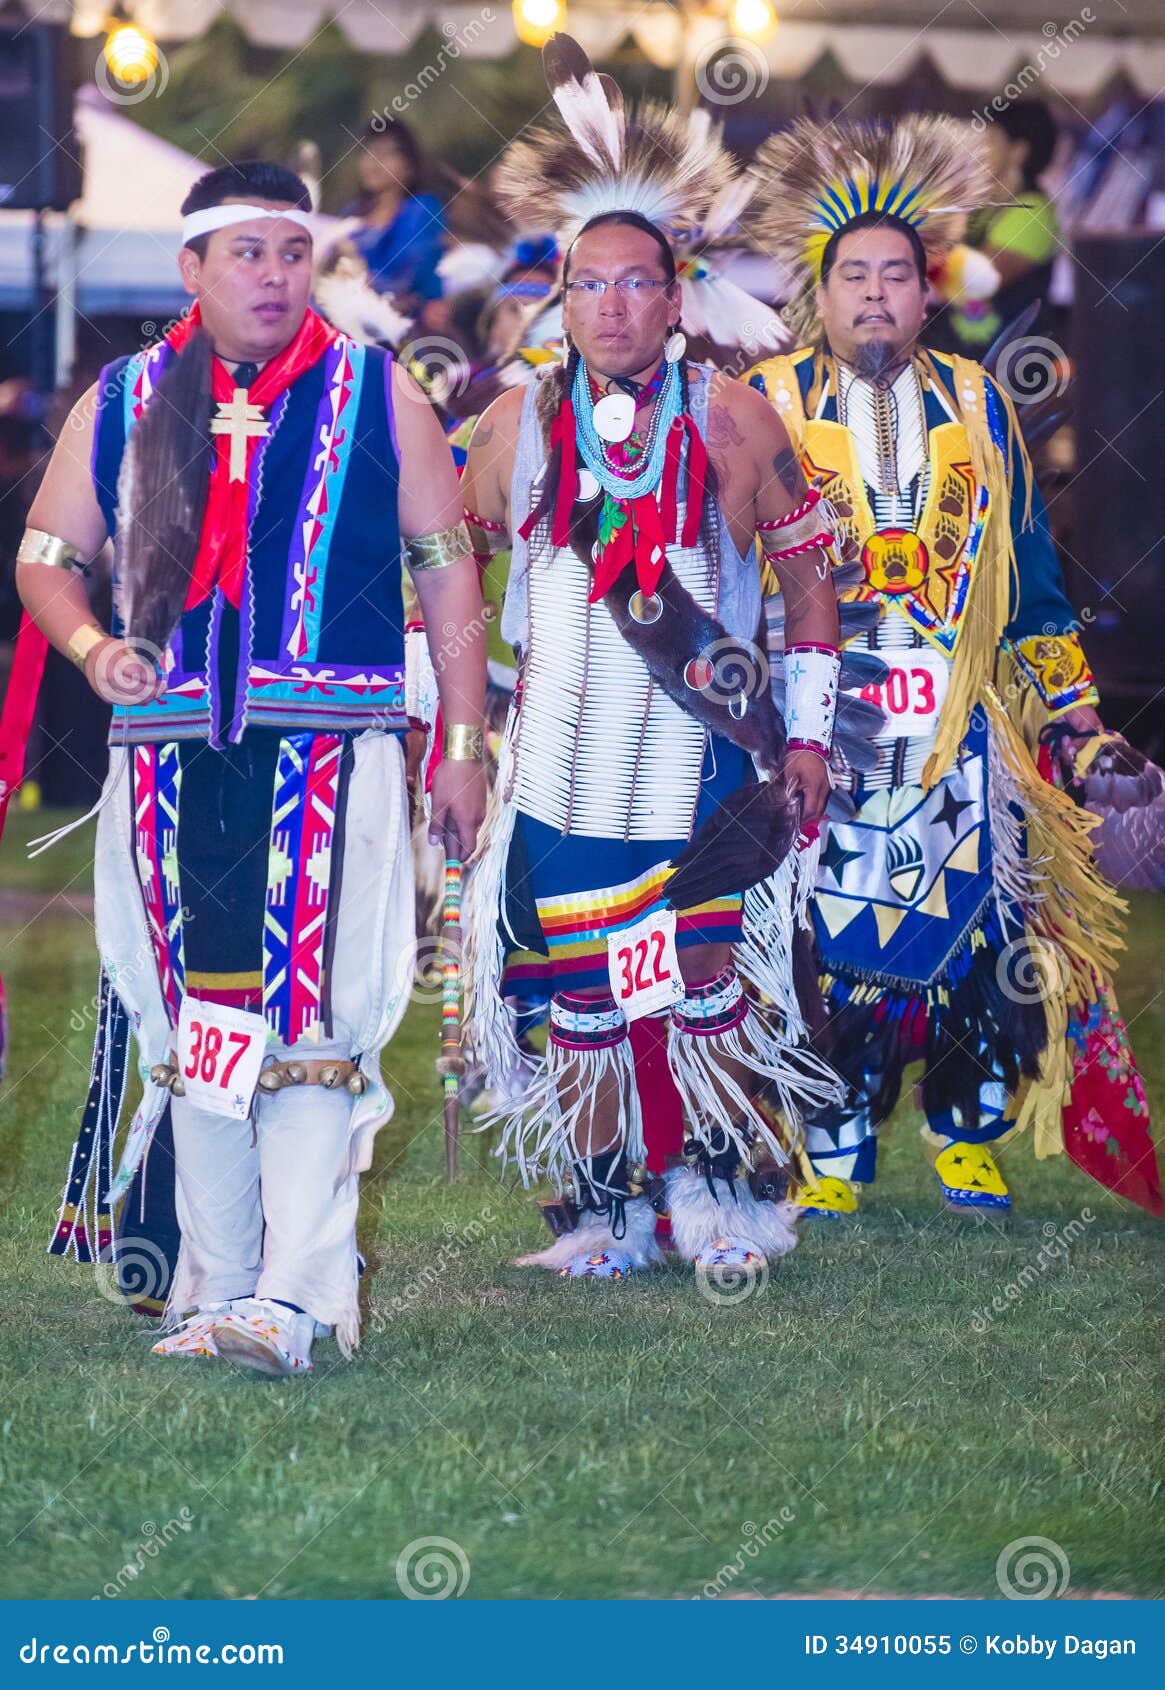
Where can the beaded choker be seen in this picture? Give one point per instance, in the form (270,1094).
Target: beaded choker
(640,512)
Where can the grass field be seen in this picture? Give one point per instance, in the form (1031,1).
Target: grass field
(852,1426)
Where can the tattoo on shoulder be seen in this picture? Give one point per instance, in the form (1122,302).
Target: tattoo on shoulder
(788,471)
(722,427)
(483,434)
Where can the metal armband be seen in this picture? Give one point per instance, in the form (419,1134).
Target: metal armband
(438,551)
(47,549)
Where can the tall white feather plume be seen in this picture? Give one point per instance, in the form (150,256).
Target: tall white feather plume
(582,99)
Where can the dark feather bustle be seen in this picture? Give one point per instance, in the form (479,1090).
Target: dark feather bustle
(161,496)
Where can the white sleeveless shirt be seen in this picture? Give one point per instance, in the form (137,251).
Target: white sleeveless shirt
(600,750)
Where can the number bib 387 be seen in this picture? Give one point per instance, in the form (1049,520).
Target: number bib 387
(913,693)
(644,967)
(220,1053)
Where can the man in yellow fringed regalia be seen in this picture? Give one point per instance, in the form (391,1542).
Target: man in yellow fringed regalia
(959,914)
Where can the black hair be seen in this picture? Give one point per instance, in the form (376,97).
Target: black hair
(1031,121)
(402,137)
(248,179)
(626,220)
(874,220)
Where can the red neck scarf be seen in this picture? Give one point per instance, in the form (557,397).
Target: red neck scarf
(222,545)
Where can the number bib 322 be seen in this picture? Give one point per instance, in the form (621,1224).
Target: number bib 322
(220,1053)
(644,967)
(913,693)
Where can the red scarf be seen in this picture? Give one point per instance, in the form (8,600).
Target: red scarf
(222,545)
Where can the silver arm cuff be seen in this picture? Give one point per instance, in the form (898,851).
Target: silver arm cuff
(48,549)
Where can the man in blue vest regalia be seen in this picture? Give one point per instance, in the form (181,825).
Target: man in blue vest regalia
(260,475)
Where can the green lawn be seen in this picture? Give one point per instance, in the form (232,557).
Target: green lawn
(848,1423)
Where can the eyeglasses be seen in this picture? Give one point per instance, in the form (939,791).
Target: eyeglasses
(631,287)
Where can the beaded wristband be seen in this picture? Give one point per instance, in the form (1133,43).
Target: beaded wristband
(486,523)
(811,677)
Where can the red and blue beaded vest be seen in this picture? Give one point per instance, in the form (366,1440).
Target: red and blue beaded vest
(318,640)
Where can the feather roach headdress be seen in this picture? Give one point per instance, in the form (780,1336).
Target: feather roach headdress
(667,167)
(814,178)
(672,169)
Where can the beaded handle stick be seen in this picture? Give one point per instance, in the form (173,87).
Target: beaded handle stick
(451,1062)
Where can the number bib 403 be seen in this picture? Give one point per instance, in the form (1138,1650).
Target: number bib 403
(913,693)
(220,1053)
(644,967)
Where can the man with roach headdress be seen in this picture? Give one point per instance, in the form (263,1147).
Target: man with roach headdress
(641,855)
(260,475)
(960,915)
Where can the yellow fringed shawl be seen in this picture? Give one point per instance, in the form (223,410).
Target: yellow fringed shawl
(1072,915)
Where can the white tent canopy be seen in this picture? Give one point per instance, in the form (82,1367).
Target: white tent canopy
(977,47)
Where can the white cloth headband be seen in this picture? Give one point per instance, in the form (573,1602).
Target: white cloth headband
(222,216)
